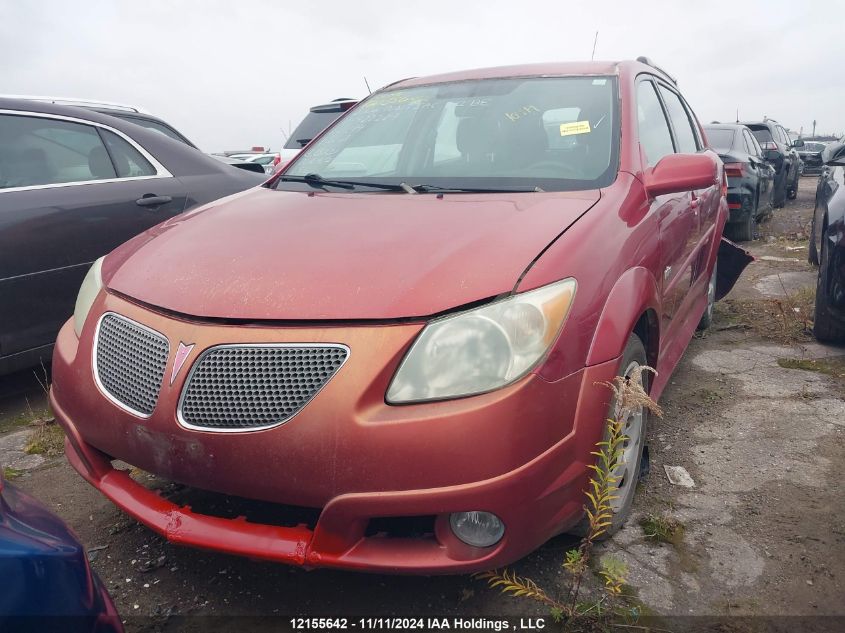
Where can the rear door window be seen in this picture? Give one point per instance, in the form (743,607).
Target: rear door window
(655,137)
(684,134)
(43,151)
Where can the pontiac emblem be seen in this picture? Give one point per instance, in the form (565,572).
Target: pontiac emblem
(182,353)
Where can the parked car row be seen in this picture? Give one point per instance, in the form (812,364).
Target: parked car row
(763,168)
(750,178)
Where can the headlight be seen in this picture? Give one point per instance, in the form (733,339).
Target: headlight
(91,286)
(482,349)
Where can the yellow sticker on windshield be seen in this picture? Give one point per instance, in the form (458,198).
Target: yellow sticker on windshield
(577,127)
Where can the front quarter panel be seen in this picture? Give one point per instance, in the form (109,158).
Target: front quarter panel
(612,252)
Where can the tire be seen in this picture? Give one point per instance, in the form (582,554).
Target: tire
(707,318)
(826,328)
(792,190)
(637,426)
(779,196)
(746,230)
(813,255)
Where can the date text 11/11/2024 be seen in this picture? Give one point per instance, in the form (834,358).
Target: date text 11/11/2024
(418,624)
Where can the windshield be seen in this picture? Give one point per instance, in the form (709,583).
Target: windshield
(721,139)
(552,133)
(311,126)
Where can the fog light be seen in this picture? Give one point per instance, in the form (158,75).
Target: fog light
(479,529)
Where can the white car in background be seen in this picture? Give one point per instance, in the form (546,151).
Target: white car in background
(268,161)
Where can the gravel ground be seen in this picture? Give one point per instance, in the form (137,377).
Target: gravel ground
(764,525)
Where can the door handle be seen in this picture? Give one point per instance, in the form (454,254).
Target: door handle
(152,200)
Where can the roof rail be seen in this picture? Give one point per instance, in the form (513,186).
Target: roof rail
(80,102)
(645,60)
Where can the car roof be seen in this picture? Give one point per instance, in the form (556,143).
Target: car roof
(85,113)
(73,101)
(725,126)
(164,148)
(760,123)
(128,114)
(548,69)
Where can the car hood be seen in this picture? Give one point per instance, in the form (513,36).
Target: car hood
(280,255)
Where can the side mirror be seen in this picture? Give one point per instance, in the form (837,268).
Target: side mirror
(834,154)
(798,143)
(681,172)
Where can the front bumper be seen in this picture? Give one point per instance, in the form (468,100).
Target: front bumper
(521,452)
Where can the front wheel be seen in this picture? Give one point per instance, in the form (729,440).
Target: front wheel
(792,190)
(634,429)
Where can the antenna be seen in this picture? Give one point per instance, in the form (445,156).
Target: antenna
(737,115)
(595,40)
(368,85)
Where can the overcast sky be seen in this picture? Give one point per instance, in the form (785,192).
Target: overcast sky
(235,74)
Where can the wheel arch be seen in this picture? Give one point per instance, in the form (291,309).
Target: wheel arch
(632,306)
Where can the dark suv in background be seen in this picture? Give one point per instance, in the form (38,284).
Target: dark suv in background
(318,119)
(779,150)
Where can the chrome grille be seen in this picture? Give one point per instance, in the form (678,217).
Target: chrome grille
(249,387)
(129,362)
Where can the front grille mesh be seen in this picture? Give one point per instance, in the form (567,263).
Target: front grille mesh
(130,362)
(248,387)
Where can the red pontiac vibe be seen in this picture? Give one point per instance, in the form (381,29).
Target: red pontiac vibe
(399,337)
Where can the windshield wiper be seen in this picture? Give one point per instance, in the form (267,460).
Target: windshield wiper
(317,181)
(424,188)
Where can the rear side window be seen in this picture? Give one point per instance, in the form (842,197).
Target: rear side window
(684,133)
(751,142)
(127,160)
(41,151)
(655,137)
